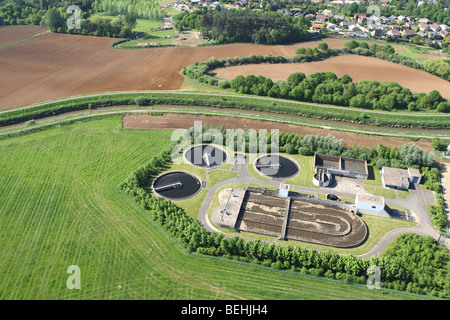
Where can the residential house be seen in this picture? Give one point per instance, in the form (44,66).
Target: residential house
(424,26)
(379,33)
(354,28)
(425,20)
(362,34)
(409,33)
(346,24)
(338,17)
(360,18)
(317,26)
(423,35)
(321,17)
(435,27)
(436,36)
(402,18)
(385,19)
(393,33)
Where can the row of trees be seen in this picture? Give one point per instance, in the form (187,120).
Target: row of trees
(405,156)
(98,26)
(323,87)
(395,273)
(244,26)
(53,15)
(32,12)
(143,9)
(327,88)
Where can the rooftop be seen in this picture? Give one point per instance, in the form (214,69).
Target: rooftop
(369,199)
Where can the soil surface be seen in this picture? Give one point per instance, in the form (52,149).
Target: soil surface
(55,66)
(357,67)
(186,121)
(15,33)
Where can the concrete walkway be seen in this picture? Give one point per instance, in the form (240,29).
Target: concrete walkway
(416,203)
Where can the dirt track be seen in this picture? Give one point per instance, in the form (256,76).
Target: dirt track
(357,67)
(186,121)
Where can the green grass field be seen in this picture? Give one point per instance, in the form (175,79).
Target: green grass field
(61,207)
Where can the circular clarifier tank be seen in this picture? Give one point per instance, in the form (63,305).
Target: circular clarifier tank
(277,166)
(177,185)
(206,155)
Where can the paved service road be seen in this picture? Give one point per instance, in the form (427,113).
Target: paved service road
(416,203)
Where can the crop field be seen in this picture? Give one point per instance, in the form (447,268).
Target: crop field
(12,34)
(62,208)
(357,67)
(71,65)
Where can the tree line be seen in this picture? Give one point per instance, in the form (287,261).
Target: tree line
(54,16)
(397,273)
(224,26)
(142,9)
(322,87)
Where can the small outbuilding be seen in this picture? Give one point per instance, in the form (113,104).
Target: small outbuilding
(394,178)
(369,204)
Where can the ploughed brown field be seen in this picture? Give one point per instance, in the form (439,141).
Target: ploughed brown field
(54,66)
(357,67)
(172,121)
(15,33)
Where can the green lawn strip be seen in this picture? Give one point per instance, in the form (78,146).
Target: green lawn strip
(22,40)
(381,192)
(60,207)
(374,178)
(256,174)
(214,100)
(218,175)
(403,194)
(200,172)
(305,177)
(192,205)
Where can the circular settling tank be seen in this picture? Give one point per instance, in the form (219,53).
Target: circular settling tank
(176,185)
(276,166)
(206,155)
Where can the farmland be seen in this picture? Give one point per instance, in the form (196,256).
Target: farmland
(357,67)
(61,204)
(75,65)
(62,208)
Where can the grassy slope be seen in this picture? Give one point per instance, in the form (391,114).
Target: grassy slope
(60,207)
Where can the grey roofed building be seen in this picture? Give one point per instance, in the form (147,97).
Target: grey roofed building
(394,178)
(335,165)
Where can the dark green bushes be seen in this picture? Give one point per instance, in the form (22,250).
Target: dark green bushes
(397,271)
(325,87)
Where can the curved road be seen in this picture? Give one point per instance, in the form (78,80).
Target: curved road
(415,203)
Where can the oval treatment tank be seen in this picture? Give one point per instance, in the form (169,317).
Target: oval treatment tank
(276,166)
(206,155)
(177,185)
